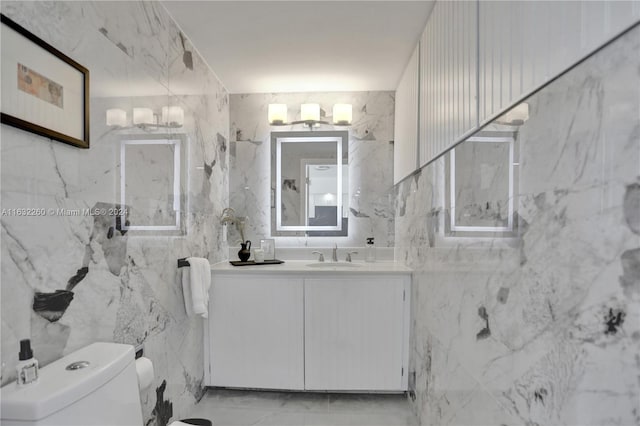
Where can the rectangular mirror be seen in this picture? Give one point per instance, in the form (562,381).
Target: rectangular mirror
(310,183)
(153,193)
(481,179)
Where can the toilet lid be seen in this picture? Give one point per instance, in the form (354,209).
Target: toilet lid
(58,387)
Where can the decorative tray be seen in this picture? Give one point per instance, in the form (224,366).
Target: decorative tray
(251,262)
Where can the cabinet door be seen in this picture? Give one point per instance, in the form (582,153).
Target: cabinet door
(256,332)
(355,334)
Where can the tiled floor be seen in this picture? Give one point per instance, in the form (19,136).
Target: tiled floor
(240,408)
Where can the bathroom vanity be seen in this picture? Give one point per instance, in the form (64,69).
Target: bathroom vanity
(309,326)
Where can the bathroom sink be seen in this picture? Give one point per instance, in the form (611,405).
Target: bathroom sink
(328,265)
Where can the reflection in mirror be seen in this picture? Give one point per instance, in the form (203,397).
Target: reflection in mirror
(309,177)
(481,185)
(151,175)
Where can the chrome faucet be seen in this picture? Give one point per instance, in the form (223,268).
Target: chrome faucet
(348,258)
(334,253)
(321,258)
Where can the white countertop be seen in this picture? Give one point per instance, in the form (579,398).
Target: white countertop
(301,267)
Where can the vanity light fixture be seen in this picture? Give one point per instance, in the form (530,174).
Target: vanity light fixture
(143,118)
(310,115)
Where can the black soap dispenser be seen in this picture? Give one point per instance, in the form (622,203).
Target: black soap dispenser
(27,367)
(370,251)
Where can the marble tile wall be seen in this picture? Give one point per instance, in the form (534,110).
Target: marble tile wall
(544,328)
(117,286)
(370,164)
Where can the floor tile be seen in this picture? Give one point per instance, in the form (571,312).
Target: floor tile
(226,416)
(366,403)
(259,408)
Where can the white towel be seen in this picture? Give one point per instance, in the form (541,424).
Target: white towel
(186,290)
(196,280)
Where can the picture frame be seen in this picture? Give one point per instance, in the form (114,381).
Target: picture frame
(43,90)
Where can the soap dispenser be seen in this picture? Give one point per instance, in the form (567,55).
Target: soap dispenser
(370,251)
(27,367)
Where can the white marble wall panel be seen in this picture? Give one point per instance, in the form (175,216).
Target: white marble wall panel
(141,30)
(124,286)
(370,164)
(543,328)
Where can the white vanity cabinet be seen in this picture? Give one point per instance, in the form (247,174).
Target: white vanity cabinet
(354,333)
(316,331)
(256,332)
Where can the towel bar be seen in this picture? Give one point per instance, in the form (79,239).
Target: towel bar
(183,262)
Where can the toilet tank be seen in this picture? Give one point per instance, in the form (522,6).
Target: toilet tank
(103,392)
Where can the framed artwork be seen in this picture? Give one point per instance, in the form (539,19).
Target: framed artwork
(43,90)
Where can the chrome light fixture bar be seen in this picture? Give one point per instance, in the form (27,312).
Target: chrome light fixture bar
(310,115)
(172,117)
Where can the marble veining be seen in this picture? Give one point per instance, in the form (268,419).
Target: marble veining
(69,279)
(542,327)
(370,165)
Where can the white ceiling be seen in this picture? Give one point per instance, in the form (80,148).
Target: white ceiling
(303,46)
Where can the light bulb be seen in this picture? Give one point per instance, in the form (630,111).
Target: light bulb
(142,116)
(310,112)
(116,117)
(277,114)
(173,116)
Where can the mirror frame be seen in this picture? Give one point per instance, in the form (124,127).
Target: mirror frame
(341,139)
(454,230)
(178,141)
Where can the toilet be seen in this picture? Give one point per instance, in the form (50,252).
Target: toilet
(94,386)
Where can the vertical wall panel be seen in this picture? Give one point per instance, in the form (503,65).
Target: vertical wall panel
(524,44)
(405,147)
(477,58)
(448,70)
